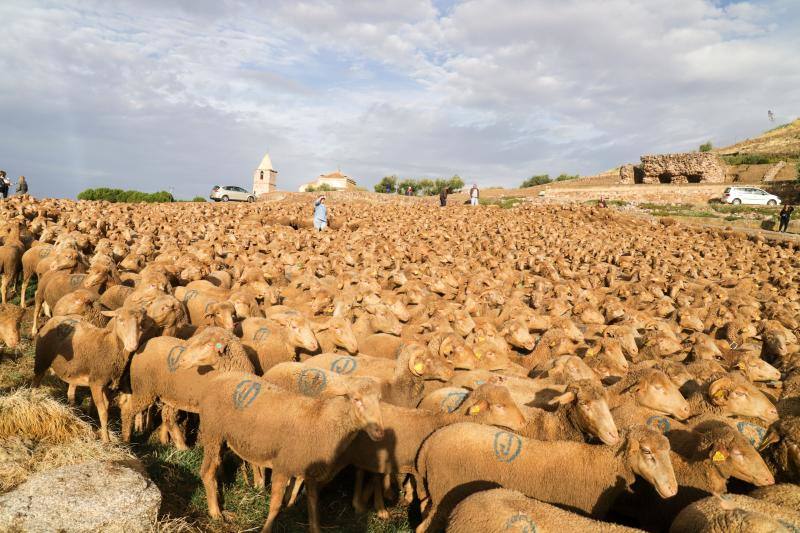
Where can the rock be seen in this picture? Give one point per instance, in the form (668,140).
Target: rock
(626,174)
(697,167)
(774,170)
(92,496)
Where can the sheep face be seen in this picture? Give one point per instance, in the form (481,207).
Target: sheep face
(243,306)
(733,456)
(738,397)
(132,263)
(191,273)
(423,364)
(785,434)
(205,349)
(493,404)
(517,335)
(458,353)
(128,326)
(400,311)
(384,321)
(343,335)
(10,317)
(96,276)
(590,407)
(656,391)
(756,369)
(462,322)
(490,355)
(65,260)
(365,397)
(220,314)
(166,311)
(647,452)
(299,333)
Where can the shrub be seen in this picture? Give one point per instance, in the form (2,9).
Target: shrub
(118,195)
(748,159)
(567,177)
(706,147)
(536,180)
(387,184)
(198,199)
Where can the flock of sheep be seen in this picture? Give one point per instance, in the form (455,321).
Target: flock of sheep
(536,369)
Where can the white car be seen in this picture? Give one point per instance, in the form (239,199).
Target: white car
(228,193)
(749,195)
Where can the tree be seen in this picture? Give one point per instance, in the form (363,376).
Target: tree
(455,184)
(567,177)
(706,147)
(387,184)
(406,183)
(541,179)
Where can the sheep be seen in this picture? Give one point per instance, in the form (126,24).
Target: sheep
(206,311)
(401,380)
(277,339)
(734,513)
(176,373)
(269,427)
(83,355)
(498,510)
(10,260)
(82,302)
(786,495)
(650,388)
(781,445)
(406,429)
(335,333)
(732,395)
(10,318)
(464,458)
(704,460)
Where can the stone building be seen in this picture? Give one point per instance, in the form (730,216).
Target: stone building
(264,177)
(335,180)
(696,167)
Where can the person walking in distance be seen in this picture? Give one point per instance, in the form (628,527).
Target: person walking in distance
(443,197)
(22,186)
(320,214)
(4,184)
(785,216)
(474,195)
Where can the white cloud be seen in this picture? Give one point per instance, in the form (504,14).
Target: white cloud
(147,95)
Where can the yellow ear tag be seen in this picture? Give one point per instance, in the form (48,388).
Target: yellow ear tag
(478,355)
(419,367)
(718,457)
(474,410)
(481,339)
(719,394)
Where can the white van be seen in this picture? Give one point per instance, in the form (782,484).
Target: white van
(749,195)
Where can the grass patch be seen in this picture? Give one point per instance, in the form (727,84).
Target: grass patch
(751,159)
(503,202)
(615,203)
(744,209)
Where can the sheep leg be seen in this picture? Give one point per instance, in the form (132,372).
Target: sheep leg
(298,484)
(388,487)
(408,490)
(22,298)
(101,402)
(71,394)
(377,489)
(208,473)
(3,287)
(126,413)
(258,476)
(170,415)
(163,433)
(37,308)
(278,482)
(312,495)
(358,497)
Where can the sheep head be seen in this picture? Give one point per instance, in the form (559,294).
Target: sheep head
(738,397)
(658,392)
(342,331)
(590,408)
(516,334)
(127,325)
(365,397)
(206,348)
(756,369)
(423,364)
(647,454)
(298,330)
(220,314)
(733,456)
(493,404)
(10,318)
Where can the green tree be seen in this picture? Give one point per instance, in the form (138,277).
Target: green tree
(118,195)
(387,181)
(567,177)
(706,147)
(455,184)
(198,199)
(533,181)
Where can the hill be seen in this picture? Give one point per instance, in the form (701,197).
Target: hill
(781,142)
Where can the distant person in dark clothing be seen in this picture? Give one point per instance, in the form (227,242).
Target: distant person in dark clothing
(443,197)
(4,184)
(786,216)
(409,191)
(602,202)
(22,186)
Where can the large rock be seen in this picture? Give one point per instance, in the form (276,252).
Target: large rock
(92,496)
(698,167)
(626,174)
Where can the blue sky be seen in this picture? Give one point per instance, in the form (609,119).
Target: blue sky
(184,95)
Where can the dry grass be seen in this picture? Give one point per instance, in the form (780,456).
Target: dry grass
(39,433)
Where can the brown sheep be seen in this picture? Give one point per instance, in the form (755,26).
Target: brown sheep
(277,339)
(461,459)
(733,513)
(83,355)
(650,388)
(269,427)
(732,395)
(176,373)
(10,260)
(402,380)
(499,510)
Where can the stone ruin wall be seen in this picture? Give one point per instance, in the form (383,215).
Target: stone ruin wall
(699,167)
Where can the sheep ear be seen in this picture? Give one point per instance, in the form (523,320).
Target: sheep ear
(416,366)
(564,399)
(477,407)
(322,326)
(772,437)
(109,314)
(720,390)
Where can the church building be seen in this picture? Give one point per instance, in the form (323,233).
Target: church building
(264,177)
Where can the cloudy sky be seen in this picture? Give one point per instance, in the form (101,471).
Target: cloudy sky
(158,94)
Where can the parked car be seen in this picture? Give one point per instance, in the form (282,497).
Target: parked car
(231,193)
(749,195)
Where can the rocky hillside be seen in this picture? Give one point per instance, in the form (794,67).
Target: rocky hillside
(780,142)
